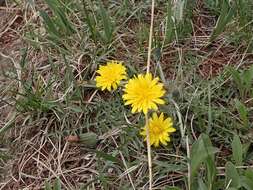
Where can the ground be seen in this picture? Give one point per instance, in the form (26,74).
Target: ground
(56,127)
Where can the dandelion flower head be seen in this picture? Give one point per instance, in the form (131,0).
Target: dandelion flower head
(143,93)
(110,75)
(160,129)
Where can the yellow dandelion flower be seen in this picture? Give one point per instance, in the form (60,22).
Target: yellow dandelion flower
(110,75)
(143,93)
(160,129)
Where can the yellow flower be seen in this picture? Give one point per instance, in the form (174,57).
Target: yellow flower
(159,130)
(110,75)
(143,93)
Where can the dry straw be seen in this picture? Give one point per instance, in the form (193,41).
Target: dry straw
(146,116)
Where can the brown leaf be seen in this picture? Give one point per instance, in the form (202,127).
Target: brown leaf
(72,138)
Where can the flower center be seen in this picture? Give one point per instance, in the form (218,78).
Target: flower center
(112,78)
(145,93)
(156,129)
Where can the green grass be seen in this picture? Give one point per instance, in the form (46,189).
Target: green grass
(50,91)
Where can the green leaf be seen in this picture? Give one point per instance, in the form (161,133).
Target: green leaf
(91,23)
(179,10)
(88,140)
(107,24)
(243,10)
(237,150)
(75,109)
(8,124)
(226,15)
(210,119)
(107,157)
(170,167)
(169,23)
(57,184)
(173,188)
(203,152)
(245,148)
(248,78)
(49,24)
(243,112)
(247,179)
(61,19)
(47,186)
(246,182)
(202,185)
(249,173)
(236,77)
(23,60)
(211,172)
(232,176)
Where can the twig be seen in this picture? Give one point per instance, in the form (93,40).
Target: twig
(188,164)
(228,184)
(237,167)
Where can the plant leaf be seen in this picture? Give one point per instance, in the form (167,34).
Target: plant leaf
(232,176)
(248,77)
(107,157)
(47,186)
(237,150)
(202,150)
(107,24)
(173,188)
(243,112)
(202,185)
(247,183)
(226,15)
(57,184)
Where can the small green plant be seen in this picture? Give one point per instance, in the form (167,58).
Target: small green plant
(169,32)
(178,19)
(59,24)
(100,24)
(55,186)
(226,14)
(243,81)
(243,113)
(237,150)
(244,11)
(203,152)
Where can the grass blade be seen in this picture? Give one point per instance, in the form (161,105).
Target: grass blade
(225,17)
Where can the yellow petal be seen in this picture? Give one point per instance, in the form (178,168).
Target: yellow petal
(171,130)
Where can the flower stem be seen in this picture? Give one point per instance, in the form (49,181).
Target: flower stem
(146,116)
(149,153)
